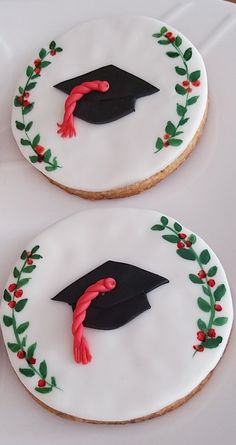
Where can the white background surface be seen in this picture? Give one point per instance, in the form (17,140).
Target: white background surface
(201,194)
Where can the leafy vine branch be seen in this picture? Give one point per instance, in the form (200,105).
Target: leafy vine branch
(13,297)
(22,101)
(185,88)
(206,335)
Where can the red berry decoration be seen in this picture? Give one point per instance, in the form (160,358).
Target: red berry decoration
(168,35)
(202,274)
(26,103)
(31,360)
(172,39)
(188,243)
(26,94)
(189,90)
(201,336)
(18,293)
(166,136)
(185,83)
(218,307)
(20,99)
(37,62)
(21,354)
(198,348)
(12,304)
(180,245)
(37,70)
(29,261)
(53,52)
(211,333)
(166,144)
(196,83)
(39,149)
(12,287)
(41,383)
(211,282)
(182,235)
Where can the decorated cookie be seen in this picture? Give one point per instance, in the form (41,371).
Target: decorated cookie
(111,107)
(116,315)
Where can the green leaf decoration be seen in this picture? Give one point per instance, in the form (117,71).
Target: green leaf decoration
(16,102)
(36,140)
(192,100)
(22,327)
(157,34)
(178,41)
(183,121)
(164,220)
(177,227)
(6,295)
(35,76)
(52,44)
(44,390)
(16,272)
(212,271)
(187,254)
(29,269)
(7,320)
(201,325)
(219,292)
(43,369)
(203,305)
(171,238)
(53,381)
(180,90)
(47,155)
(21,90)
(28,109)
(42,53)
(30,86)
(35,249)
(159,144)
(22,282)
(44,64)
(175,142)
(27,372)
(24,255)
(31,350)
(178,132)
(194,76)
(29,71)
(212,342)
(180,71)
(36,256)
(51,168)
(23,342)
(20,125)
(14,347)
(58,49)
(220,321)
(188,54)
(33,159)
(206,290)
(157,227)
(170,128)
(195,279)
(20,305)
(163,30)
(164,42)
(172,54)
(192,238)
(181,111)
(205,257)
(25,142)
(28,126)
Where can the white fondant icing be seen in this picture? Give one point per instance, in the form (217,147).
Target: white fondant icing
(141,367)
(104,157)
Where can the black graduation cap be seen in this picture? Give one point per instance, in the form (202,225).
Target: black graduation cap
(114,308)
(118,101)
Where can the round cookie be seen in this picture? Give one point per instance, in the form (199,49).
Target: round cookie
(155,338)
(134,92)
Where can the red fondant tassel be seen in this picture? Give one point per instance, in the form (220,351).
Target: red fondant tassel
(66,128)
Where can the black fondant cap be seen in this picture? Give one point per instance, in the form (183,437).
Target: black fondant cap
(115,308)
(118,101)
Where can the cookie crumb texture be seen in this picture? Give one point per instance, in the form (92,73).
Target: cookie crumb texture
(170,316)
(115,120)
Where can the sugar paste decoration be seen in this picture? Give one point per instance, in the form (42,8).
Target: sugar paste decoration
(184,88)
(107,298)
(121,91)
(212,292)
(23,102)
(26,353)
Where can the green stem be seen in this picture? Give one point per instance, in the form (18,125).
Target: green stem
(187,74)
